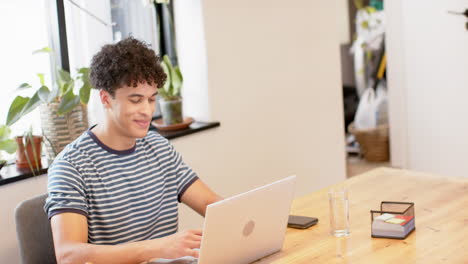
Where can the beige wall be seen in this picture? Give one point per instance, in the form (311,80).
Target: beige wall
(10,196)
(274,84)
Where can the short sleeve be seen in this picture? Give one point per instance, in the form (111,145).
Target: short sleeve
(66,190)
(184,174)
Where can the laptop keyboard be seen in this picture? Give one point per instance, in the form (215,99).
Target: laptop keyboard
(185,260)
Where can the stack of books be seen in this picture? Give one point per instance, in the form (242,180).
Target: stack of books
(392,225)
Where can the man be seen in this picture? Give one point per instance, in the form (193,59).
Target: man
(114,191)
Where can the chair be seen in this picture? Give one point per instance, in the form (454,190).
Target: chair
(34,232)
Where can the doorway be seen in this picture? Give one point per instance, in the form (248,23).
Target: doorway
(363,67)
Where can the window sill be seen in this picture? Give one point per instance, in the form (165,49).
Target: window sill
(9,173)
(193,128)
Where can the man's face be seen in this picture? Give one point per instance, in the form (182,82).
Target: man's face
(131,109)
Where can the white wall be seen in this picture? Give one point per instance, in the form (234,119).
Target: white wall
(427,66)
(274,84)
(396,80)
(191,49)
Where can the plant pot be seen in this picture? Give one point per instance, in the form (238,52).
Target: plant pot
(171,111)
(24,153)
(60,130)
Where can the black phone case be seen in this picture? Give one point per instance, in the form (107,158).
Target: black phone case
(301,222)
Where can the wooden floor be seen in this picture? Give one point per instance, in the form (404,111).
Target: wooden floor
(356,165)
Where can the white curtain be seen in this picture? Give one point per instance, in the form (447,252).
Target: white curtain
(132,17)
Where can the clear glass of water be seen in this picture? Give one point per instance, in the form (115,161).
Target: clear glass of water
(339,212)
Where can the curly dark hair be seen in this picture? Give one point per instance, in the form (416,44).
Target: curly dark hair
(128,62)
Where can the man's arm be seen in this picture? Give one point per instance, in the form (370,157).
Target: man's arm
(198,196)
(70,233)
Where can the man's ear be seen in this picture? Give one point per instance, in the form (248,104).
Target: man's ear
(105,98)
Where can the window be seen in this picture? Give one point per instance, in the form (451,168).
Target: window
(149,22)
(91,24)
(132,18)
(86,35)
(18,65)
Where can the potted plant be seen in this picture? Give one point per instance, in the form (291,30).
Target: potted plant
(28,153)
(6,143)
(62,106)
(170,94)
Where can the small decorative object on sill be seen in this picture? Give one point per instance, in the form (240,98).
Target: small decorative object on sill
(159,124)
(170,94)
(171,111)
(394,220)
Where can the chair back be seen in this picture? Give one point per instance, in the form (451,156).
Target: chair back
(34,232)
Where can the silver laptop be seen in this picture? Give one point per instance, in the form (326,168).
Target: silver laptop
(246,227)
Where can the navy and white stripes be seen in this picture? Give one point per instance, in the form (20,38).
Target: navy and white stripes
(127,196)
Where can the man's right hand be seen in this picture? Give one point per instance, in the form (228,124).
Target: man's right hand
(70,233)
(181,244)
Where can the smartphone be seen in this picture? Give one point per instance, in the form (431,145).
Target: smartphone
(301,222)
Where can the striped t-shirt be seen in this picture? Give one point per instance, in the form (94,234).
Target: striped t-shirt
(127,196)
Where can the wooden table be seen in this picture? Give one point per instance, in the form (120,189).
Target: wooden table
(441,214)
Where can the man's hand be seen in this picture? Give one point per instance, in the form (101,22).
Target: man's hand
(181,244)
(70,232)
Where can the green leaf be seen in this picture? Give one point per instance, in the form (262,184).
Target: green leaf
(370,9)
(43,50)
(167,61)
(32,104)
(4,132)
(63,77)
(162,1)
(16,108)
(365,24)
(25,150)
(177,81)
(84,71)
(43,94)
(68,102)
(53,94)
(85,92)
(33,145)
(162,92)
(54,150)
(24,86)
(85,89)
(41,78)
(167,84)
(173,84)
(8,145)
(69,86)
